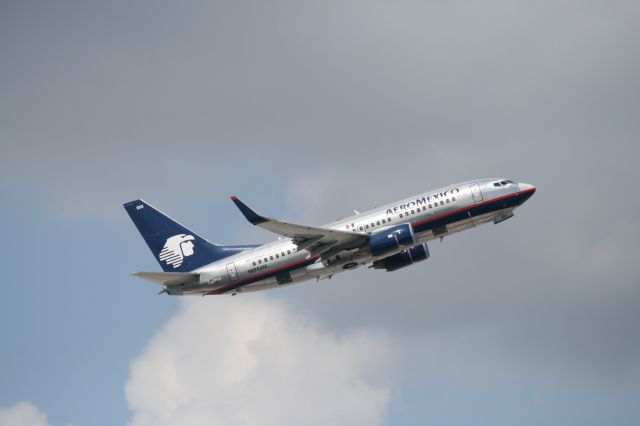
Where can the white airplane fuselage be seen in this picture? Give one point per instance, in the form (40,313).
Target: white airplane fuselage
(431,215)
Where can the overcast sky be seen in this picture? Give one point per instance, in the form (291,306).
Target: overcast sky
(308,110)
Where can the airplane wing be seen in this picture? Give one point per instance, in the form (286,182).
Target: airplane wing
(318,240)
(168,278)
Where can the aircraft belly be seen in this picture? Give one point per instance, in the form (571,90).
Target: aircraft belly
(458,226)
(488,217)
(272,282)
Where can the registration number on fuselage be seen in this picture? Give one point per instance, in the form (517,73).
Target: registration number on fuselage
(257,268)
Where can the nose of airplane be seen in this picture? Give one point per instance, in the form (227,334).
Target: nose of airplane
(527,187)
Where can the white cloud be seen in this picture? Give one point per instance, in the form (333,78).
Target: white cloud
(252,360)
(23,413)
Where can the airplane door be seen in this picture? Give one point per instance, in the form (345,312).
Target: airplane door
(475,191)
(233,273)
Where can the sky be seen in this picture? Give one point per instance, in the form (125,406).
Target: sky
(308,110)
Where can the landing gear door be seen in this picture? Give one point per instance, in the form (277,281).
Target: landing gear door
(475,191)
(233,273)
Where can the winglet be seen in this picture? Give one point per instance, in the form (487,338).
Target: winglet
(251,216)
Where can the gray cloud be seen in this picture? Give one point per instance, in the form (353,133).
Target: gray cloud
(115,92)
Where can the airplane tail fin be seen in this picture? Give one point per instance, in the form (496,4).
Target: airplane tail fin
(176,248)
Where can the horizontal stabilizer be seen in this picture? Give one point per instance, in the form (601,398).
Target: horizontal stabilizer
(168,278)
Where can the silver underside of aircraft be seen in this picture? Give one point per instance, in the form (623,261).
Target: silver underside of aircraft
(386,238)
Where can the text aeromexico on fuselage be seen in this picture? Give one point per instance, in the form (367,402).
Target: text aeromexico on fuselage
(390,237)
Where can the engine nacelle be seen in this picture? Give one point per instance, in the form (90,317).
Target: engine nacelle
(405,258)
(391,239)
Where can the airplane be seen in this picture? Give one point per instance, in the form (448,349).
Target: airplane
(387,238)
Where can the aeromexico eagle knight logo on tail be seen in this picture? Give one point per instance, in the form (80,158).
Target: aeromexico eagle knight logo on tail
(176,248)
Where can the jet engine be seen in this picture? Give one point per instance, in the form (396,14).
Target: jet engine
(391,239)
(402,259)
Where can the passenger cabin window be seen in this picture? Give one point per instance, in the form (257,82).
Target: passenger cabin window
(288,251)
(271,257)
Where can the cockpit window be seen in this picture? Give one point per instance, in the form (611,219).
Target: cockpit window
(496,184)
(503,183)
